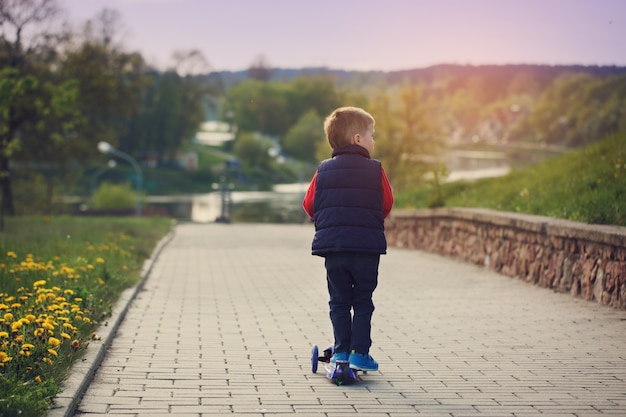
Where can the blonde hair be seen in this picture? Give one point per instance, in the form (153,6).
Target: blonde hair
(345,122)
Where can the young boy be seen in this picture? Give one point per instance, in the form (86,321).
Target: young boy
(348,199)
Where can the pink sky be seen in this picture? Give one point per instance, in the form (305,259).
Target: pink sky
(370,34)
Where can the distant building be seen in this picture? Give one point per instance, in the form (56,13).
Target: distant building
(215,133)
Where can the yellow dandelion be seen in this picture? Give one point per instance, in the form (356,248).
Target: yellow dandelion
(8,316)
(38,379)
(4,358)
(100,260)
(11,254)
(16,305)
(78,299)
(27,346)
(39,332)
(53,341)
(53,352)
(19,338)
(48,361)
(39,283)
(100,281)
(31,317)
(4,335)
(65,336)
(68,292)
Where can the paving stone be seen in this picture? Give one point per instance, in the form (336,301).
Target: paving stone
(227,317)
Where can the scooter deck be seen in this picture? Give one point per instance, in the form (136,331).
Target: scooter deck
(339,372)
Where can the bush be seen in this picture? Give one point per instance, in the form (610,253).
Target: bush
(114,196)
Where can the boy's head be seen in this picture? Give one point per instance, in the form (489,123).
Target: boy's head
(349,126)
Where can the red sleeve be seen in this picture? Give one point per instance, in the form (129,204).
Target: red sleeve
(387,194)
(307,203)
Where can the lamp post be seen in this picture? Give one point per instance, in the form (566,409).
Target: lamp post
(225,196)
(105,147)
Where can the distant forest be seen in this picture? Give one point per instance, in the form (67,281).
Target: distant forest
(500,76)
(561,105)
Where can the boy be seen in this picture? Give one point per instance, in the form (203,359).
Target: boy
(348,199)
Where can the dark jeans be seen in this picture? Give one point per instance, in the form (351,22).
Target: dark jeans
(352,278)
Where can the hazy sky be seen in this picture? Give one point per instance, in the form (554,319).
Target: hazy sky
(370,34)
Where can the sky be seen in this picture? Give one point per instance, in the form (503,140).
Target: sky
(365,35)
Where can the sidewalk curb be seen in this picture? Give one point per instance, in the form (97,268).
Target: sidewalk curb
(85,367)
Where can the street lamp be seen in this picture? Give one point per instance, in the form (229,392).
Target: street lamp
(94,178)
(105,147)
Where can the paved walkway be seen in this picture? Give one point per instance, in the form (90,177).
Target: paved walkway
(227,318)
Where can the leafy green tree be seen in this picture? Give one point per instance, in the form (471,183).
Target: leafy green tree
(272,108)
(18,56)
(407,142)
(110,85)
(13,92)
(577,109)
(253,150)
(302,140)
(170,113)
(314,93)
(260,107)
(50,144)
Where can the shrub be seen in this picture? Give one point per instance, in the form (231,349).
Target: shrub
(114,196)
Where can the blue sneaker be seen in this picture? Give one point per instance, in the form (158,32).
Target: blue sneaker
(362,362)
(339,356)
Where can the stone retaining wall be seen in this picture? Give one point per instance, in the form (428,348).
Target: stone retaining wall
(588,261)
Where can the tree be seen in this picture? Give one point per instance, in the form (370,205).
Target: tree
(170,114)
(21,41)
(272,108)
(577,109)
(408,143)
(260,70)
(190,62)
(111,85)
(302,140)
(260,107)
(51,144)
(253,151)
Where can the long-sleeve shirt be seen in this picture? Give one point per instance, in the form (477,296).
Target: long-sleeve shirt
(309,198)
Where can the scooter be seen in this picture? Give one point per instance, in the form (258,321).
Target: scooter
(339,372)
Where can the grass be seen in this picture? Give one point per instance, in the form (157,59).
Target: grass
(586,185)
(59,278)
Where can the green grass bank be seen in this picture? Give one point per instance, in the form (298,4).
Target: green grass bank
(586,185)
(60,278)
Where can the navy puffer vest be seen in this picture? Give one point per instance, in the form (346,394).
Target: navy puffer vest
(348,204)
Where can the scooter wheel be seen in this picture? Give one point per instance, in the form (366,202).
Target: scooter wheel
(314,358)
(343,373)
